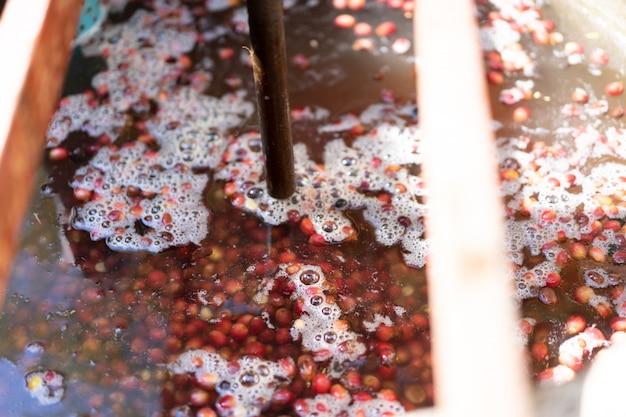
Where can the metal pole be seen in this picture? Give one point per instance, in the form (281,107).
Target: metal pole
(270,78)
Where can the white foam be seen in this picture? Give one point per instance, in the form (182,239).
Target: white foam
(190,127)
(328,405)
(320,326)
(250,380)
(583,344)
(379,319)
(77,113)
(126,189)
(351,178)
(142,61)
(46,386)
(596,278)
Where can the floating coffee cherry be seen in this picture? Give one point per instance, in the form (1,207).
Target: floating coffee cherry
(614,88)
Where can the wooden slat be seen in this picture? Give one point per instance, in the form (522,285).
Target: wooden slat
(35,43)
(478,369)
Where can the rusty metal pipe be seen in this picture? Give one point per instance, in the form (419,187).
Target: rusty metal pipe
(269,62)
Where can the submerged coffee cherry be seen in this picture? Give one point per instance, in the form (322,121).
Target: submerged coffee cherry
(321,383)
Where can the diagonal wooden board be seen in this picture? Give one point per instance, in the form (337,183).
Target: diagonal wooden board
(35,43)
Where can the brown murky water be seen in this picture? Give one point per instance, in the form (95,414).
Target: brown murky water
(109,321)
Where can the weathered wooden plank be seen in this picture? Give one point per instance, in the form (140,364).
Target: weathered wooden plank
(35,43)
